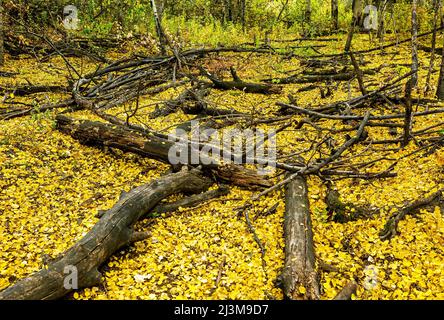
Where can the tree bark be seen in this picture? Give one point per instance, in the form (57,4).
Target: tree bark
(381,21)
(437,8)
(408,113)
(299,279)
(155,147)
(415,64)
(2,46)
(112,232)
(440,89)
(335,14)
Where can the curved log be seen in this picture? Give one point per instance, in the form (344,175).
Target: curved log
(299,278)
(112,232)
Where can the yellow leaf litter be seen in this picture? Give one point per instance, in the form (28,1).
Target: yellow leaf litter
(51,188)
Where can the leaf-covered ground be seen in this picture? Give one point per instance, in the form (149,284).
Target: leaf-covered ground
(51,189)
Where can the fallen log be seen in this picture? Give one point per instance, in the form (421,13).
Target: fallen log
(155,146)
(113,231)
(299,278)
(28,90)
(391,226)
(347,292)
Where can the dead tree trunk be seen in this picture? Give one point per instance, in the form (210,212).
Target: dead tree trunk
(155,147)
(243,14)
(112,232)
(437,8)
(2,46)
(408,113)
(346,293)
(356,14)
(415,65)
(299,278)
(440,89)
(335,14)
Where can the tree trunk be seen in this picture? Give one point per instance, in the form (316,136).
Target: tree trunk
(437,8)
(440,90)
(356,15)
(335,14)
(100,134)
(415,65)
(159,29)
(308,12)
(112,232)
(2,47)
(228,11)
(299,278)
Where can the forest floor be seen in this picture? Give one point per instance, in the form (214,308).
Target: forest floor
(51,188)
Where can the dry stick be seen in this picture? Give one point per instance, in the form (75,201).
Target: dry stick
(48,41)
(358,73)
(347,117)
(351,30)
(376,48)
(299,268)
(191,201)
(309,170)
(390,227)
(108,235)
